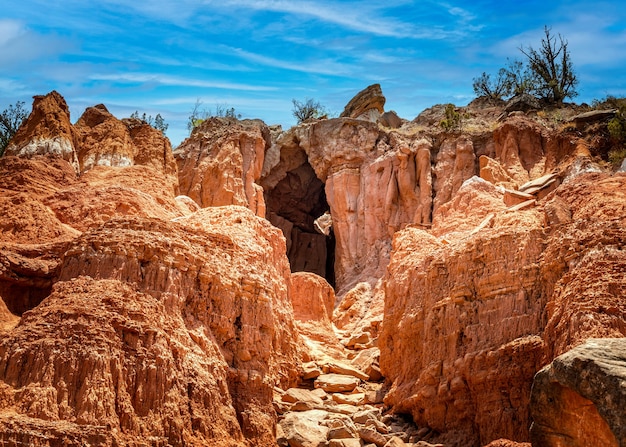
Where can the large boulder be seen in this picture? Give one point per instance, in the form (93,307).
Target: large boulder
(368,104)
(313,300)
(522,103)
(580,397)
(445,304)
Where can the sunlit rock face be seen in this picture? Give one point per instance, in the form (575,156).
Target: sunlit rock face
(104,140)
(129,315)
(480,311)
(144,296)
(47,130)
(221,163)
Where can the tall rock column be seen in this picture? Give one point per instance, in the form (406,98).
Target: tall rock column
(46,131)
(337,150)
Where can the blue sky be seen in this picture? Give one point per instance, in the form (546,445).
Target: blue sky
(159,56)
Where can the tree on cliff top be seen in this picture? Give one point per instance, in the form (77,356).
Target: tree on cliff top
(157,122)
(308,109)
(547,74)
(10,120)
(551,66)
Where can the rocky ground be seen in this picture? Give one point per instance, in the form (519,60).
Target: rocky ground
(358,281)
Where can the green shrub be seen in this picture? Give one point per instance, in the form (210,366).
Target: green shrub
(616,127)
(157,122)
(453,120)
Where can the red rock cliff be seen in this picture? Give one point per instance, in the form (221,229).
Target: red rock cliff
(126,317)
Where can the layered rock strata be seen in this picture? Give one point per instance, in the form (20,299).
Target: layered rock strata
(463,262)
(47,130)
(103,140)
(97,139)
(130,317)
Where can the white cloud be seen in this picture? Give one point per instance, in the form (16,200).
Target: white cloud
(10,30)
(357,17)
(369,17)
(19,44)
(591,41)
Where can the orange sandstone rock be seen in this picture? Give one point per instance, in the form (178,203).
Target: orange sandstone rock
(106,192)
(47,130)
(103,140)
(481,314)
(111,365)
(220,163)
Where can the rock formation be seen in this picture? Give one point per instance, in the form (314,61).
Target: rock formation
(405,287)
(580,396)
(373,185)
(221,162)
(368,104)
(481,317)
(97,138)
(103,140)
(142,319)
(47,130)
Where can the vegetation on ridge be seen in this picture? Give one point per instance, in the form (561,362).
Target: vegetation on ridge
(157,122)
(308,109)
(616,127)
(198,115)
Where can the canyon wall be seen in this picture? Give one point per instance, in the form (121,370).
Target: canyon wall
(129,315)
(221,163)
(454,245)
(146,299)
(480,313)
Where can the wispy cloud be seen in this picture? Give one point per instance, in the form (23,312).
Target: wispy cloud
(149,78)
(10,30)
(375,18)
(320,66)
(355,16)
(591,38)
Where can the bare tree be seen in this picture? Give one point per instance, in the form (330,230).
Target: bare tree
(197,116)
(551,65)
(493,89)
(310,108)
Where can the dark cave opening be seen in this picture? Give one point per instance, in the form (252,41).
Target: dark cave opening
(20,298)
(293,205)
